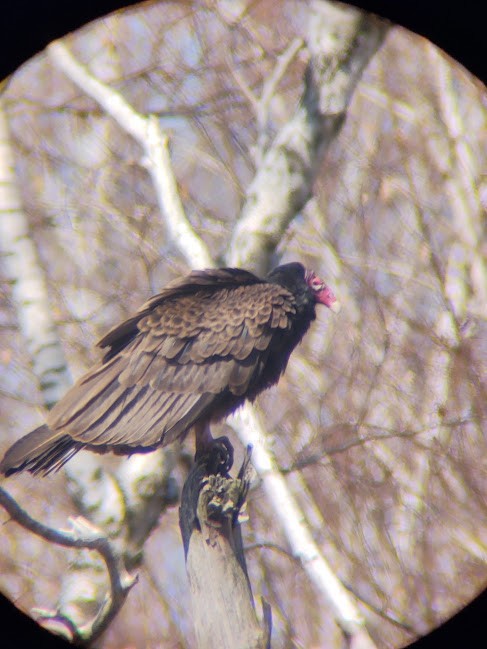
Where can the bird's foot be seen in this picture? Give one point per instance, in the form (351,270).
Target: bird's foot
(220,454)
(225,450)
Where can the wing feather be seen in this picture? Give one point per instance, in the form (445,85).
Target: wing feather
(188,353)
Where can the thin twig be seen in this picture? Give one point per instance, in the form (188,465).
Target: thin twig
(268,91)
(86,536)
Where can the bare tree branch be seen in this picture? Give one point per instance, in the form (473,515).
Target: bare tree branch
(83,535)
(262,104)
(146,131)
(295,527)
(341,43)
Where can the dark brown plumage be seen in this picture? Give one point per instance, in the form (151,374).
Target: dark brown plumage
(192,354)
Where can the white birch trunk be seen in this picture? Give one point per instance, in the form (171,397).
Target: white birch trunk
(29,289)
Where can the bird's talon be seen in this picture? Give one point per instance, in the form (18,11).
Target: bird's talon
(226,453)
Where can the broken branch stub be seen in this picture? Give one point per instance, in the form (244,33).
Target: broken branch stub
(223,606)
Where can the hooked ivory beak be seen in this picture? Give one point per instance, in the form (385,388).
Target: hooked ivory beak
(336,306)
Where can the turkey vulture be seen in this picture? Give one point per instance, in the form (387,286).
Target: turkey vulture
(191,354)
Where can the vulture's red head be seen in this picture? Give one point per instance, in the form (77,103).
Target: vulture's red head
(322,293)
(307,287)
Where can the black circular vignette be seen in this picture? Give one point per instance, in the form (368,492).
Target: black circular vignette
(457,29)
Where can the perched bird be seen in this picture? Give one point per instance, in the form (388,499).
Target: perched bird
(191,354)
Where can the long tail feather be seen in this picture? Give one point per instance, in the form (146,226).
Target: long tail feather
(41,451)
